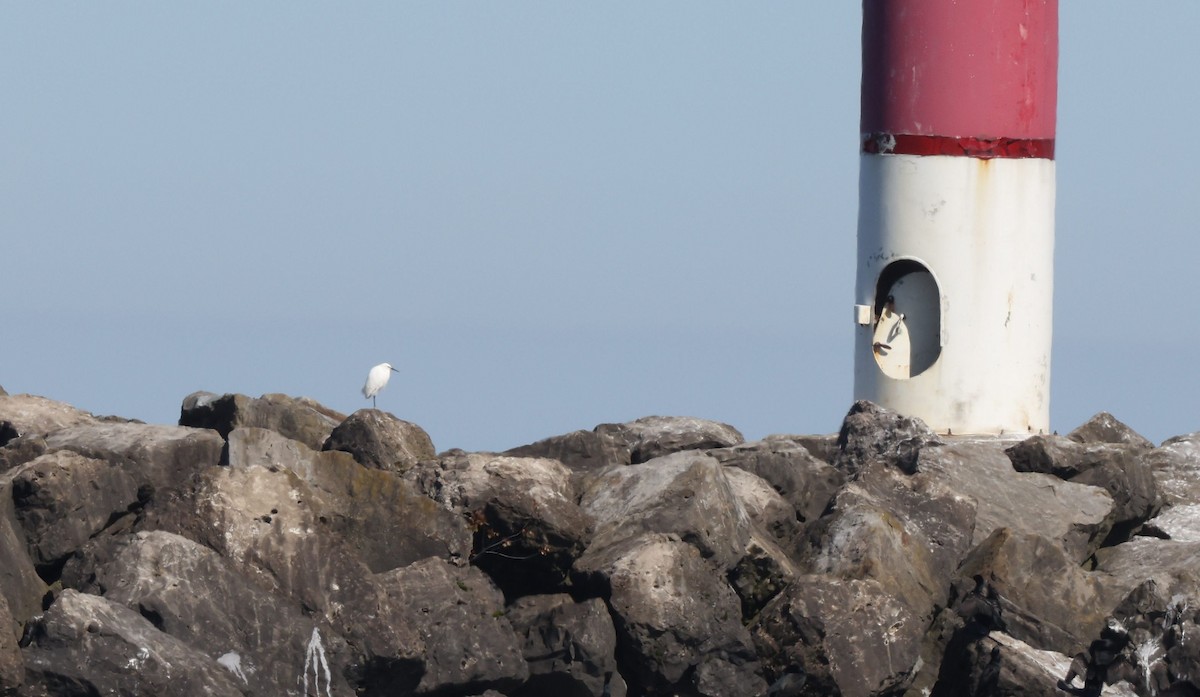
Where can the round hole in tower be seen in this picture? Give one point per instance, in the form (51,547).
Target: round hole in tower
(908,320)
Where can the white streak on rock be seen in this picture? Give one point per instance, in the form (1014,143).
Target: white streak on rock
(314,656)
(233,663)
(138,661)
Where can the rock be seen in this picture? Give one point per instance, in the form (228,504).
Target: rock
(298,418)
(633,442)
(570,647)
(382,518)
(528,529)
(30,415)
(1057,456)
(764,570)
(273,527)
(1176,468)
(1003,665)
(846,637)
(12,666)
(95,646)
(1133,490)
(823,447)
(63,499)
(654,436)
(686,493)
(664,551)
(1106,428)
(678,622)
(18,451)
(379,440)
(805,481)
(1181,523)
(872,434)
(189,592)
(1047,599)
(20,585)
(1164,650)
(1171,564)
(1118,469)
(907,533)
(583,452)
(1078,516)
(434,628)
(766,508)
(160,457)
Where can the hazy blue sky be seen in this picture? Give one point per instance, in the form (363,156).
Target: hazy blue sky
(546,215)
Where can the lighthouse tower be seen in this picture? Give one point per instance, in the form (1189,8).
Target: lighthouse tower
(954,287)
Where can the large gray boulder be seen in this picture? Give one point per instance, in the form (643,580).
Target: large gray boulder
(382,519)
(687,493)
(30,415)
(63,499)
(1173,565)
(766,508)
(1176,468)
(908,533)
(678,622)
(1179,522)
(583,452)
(1164,631)
(158,457)
(298,418)
(1106,428)
(804,480)
(528,529)
(1118,469)
(838,637)
(875,435)
(86,644)
(379,440)
(435,628)
(570,646)
(1078,516)
(18,451)
(274,527)
(764,570)
(632,442)
(824,447)
(20,584)
(654,436)
(1048,600)
(999,664)
(189,592)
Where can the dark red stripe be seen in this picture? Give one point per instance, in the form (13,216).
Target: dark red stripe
(980,148)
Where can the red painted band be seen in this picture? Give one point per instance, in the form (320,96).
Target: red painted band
(983,68)
(979,148)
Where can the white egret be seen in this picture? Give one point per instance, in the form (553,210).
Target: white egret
(377,379)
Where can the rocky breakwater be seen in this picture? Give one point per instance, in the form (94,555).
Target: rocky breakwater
(271,546)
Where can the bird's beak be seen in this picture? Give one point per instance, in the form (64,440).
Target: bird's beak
(394,370)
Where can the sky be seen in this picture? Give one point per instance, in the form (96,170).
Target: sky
(546,215)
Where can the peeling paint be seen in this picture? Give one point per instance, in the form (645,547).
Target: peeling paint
(952,146)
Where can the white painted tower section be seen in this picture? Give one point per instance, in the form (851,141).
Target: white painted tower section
(965,248)
(955,276)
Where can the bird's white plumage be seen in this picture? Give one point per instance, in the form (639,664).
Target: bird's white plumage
(377,379)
